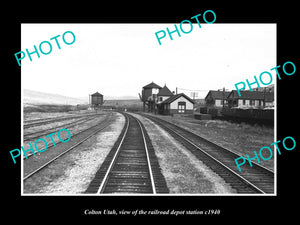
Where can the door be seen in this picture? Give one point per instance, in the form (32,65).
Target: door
(181,107)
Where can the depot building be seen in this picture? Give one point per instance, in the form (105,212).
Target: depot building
(163,101)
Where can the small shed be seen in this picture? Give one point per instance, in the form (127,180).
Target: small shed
(177,104)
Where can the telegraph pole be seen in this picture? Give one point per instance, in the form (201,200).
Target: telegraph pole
(89,101)
(264,104)
(223,97)
(194,94)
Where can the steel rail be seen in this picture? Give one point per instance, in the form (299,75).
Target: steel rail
(148,159)
(163,123)
(69,149)
(100,189)
(75,134)
(47,131)
(254,187)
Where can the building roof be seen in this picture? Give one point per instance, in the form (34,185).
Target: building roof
(174,97)
(267,88)
(97,94)
(254,95)
(218,94)
(151,85)
(165,91)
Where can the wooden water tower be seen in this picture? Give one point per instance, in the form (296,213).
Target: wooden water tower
(149,96)
(96,101)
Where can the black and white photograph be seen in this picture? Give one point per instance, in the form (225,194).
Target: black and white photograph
(145,118)
(183,113)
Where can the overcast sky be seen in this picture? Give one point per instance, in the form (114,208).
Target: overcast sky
(119,59)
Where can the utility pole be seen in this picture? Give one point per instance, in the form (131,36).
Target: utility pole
(223,97)
(89,101)
(194,94)
(264,103)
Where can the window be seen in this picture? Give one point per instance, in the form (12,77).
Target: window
(160,99)
(244,102)
(224,102)
(181,107)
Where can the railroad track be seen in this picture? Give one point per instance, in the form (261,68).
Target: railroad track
(256,179)
(36,134)
(38,122)
(32,166)
(56,128)
(131,166)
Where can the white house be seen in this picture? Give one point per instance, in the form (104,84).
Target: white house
(216,98)
(177,104)
(251,99)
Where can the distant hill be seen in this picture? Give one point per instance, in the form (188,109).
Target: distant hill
(36,97)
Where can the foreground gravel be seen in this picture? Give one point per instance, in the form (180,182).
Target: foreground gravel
(72,173)
(184,173)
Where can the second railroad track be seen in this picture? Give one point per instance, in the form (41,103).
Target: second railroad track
(255,179)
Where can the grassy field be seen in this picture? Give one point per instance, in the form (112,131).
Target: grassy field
(241,138)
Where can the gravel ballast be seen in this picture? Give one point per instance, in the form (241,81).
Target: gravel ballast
(72,173)
(184,173)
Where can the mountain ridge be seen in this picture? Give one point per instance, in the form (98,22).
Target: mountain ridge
(37,97)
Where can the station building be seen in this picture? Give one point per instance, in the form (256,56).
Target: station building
(177,104)
(161,100)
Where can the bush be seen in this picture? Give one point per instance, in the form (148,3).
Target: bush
(213,112)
